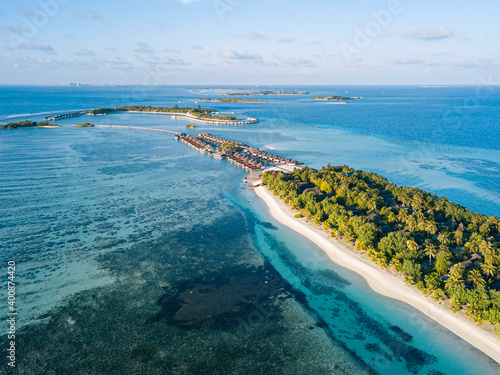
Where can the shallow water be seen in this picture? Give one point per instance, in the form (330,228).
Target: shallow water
(115,226)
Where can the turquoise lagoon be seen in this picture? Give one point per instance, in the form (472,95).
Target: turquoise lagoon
(137,254)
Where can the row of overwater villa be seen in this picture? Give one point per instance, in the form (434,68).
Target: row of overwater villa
(251,159)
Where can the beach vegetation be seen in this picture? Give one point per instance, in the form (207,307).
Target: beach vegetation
(444,249)
(26,124)
(232,100)
(199,112)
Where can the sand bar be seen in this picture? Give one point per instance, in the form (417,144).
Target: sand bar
(381,281)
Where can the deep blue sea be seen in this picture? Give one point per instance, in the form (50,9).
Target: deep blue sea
(128,243)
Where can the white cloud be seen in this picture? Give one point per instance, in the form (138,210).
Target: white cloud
(85,52)
(44,47)
(406,61)
(254,35)
(286,40)
(143,48)
(26,11)
(298,61)
(77,14)
(426,32)
(228,53)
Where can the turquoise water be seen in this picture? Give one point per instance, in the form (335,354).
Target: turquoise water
(80,206)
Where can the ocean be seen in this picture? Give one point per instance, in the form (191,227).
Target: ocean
(137,254)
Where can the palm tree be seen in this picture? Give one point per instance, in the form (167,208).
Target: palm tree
(412,245)
(444,238)
(402,215)
(431,251)
(391,217)
(459,238)
(475,277)
(486,248)
(489,269)
(418,201)
(456,276)
(430,226)
(411,222)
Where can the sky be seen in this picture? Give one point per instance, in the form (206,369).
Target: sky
(250,42)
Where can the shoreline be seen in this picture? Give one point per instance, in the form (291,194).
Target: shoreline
(383,282)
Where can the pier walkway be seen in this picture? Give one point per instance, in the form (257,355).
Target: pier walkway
(136,128)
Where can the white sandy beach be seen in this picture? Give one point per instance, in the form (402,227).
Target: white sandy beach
(383,282)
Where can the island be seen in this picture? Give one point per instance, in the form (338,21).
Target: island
(190,126)
(198,114)
(202,113)
(336,98)
(84,125)
(265,92)
(28,124)
(446,251)
(232,100)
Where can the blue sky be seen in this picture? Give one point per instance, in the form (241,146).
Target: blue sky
(249,42)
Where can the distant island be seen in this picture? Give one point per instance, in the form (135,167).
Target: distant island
(336,98)
(232,100)
(27,124)
(190,126)
(198,114)
(266,92)
(202,113)
(84,125)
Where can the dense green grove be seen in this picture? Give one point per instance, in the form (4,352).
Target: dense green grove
(196,112)
(446,250)
(84,125)
(232,100)
(25,124)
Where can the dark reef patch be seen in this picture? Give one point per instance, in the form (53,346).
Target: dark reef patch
(222,299)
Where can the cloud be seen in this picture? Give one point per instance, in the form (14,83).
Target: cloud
(44,47)
(406,61)
(194,46)
(143,48)
(254,35)
(186,2)
(115,65)
(286,40)
(16,29)
(426,32)
(26,11)
(86,15)
(79,15)
(173,61)
(465,64)
(85,52)
(230,54)
(298,61)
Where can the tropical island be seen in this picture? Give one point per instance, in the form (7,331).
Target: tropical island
(27,124)
(232,100)
(448,252)
(202,113)
(336,98)
(190,126)
(266,92)
(84,125)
